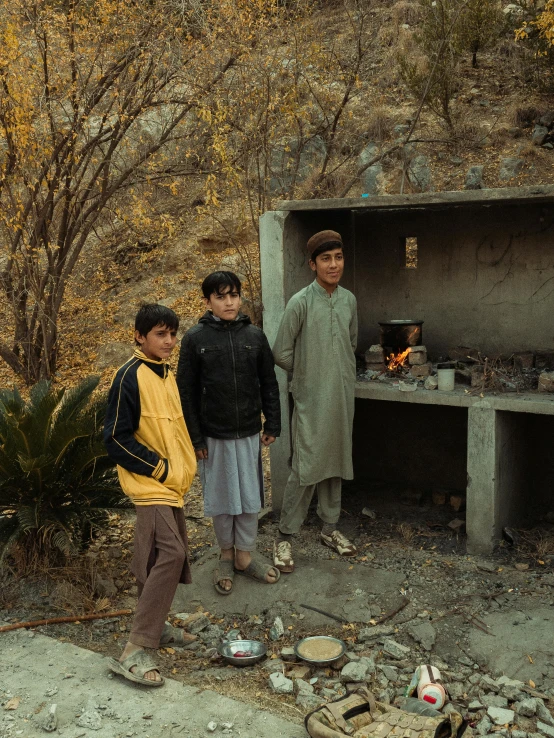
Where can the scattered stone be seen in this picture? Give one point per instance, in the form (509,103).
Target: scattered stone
(211,727)
(391,672)
(456,690)
(280,684)
(288,654)
(369,664)
(394,649)
(527,707)
(456,160)
(519,734)
(299,672)
(501,716)
(301,686)
(277,630)
(234,635)
(90,718)
(510,167)
(484,726)
(543,713)
(378,631)
(431,383)
(355,671)
(494,700)
(49,723)
(273,665)
(423,633)
(369,513)
(489,683)
(545,729)
(539,135)
(475,705)
(474,178)
(457,525)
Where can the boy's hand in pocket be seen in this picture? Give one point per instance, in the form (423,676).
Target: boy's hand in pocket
(267,440)
(201,453)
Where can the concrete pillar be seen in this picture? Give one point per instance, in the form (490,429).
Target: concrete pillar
(482,522)
(496,475)
(272,263)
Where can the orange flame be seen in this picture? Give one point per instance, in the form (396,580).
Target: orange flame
(397,360)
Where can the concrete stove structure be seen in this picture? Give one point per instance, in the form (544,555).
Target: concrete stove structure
(484,279)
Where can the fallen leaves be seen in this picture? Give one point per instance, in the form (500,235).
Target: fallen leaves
(12,704)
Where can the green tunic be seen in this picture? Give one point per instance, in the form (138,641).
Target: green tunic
(316,342)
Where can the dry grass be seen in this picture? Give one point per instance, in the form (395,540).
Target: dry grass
(538,543)
(405,12)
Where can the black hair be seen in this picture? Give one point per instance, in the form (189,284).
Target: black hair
(218,281)
(329,246)
(151,315)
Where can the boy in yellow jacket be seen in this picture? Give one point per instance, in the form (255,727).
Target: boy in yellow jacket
(146,436)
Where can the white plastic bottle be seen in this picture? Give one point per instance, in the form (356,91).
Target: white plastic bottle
(429,686)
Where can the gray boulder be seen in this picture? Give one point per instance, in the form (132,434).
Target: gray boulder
(539,136)
(280,684)
(474,178)
(419,173)
(293,160)
(355,671)
(510,167)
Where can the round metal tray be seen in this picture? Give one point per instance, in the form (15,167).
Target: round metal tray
(320,662)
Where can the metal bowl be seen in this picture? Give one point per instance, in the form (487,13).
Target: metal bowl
(228,648)
(320,662)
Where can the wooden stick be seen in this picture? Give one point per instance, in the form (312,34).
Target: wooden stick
(67,619)
(327,614)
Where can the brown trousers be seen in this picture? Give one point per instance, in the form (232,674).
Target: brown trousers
(160,563)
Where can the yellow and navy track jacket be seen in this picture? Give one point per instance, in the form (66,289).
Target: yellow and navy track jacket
(145,433)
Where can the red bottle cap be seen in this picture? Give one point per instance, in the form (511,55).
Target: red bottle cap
(429,698)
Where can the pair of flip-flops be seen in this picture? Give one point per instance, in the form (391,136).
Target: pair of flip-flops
(257,569)
(142,662)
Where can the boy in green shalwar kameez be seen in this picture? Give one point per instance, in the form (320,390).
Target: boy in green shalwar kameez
(316,342)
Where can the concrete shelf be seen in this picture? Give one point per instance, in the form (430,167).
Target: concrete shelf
(532,402)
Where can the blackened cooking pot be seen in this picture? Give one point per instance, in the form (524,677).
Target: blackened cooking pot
(397,335)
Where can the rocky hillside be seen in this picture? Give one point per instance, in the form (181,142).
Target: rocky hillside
(501,134)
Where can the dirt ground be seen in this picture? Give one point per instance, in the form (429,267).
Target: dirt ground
(408,559)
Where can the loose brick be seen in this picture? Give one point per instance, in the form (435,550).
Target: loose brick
(421,370)
(417,355)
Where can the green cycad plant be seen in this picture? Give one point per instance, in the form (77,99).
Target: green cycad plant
(56,481)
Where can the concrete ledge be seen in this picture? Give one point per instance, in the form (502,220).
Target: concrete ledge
(538,404)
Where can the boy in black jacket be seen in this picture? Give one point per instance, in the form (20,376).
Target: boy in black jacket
(226,379)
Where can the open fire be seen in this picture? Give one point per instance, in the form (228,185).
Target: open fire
(397,360)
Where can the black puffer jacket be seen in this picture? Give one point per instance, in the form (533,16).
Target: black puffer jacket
(226,379)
